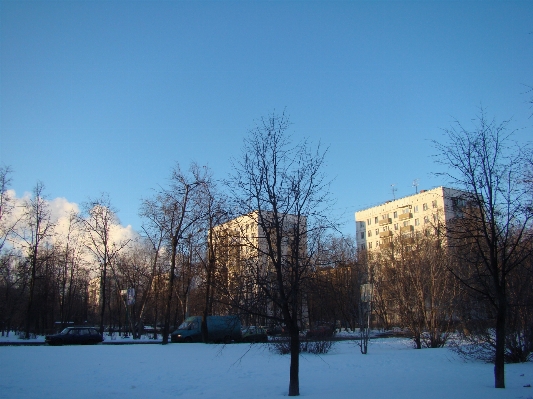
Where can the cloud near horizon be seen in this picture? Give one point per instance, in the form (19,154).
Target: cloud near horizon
(60,212)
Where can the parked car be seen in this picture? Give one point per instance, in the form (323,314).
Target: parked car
(254,334)
(321,331)
(75,335)
(277,330)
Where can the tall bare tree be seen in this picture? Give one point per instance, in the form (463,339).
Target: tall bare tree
(493,216)
(215,213)
(281,186)
(154,229)
(98,220)
(36,228)
(69,249)
(174,211)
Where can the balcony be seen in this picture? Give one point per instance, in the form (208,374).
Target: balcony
(386,245)
(405,216)
(406,229)
(385,234)
(385,221)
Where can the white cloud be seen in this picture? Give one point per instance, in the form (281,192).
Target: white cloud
(60,211)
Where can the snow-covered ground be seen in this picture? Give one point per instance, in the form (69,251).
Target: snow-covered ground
(391,369)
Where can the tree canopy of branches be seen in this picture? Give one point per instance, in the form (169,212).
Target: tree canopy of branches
(418,285)
(173,214)
(100,217)
(37,227)
(281,188)
(494,224)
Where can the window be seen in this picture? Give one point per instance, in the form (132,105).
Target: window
(362,246)
(426,219)
(369,245)
(417,222)
(377,232)
(434,203)
(385,228)
(376,220)
(396,226)
(395,214)
(368,221)
(425,207)
(369,233)
(416,208)
(377,244)
(406,223)
(362,234)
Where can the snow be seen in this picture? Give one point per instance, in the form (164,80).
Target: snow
(391,369)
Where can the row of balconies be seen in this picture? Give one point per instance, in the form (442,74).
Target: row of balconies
(403,230)
(402,216)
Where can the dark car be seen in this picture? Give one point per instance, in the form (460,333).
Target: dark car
(75,335)
(277,330)
(254,334)
(321,331)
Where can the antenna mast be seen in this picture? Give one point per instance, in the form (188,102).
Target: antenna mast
(415,185)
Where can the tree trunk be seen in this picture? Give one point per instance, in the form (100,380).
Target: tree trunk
(294,383)
(103,297)
(29,310)
(166,327)
(499,360)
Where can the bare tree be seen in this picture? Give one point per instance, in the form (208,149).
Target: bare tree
(281,188)
(98,219)
(215,213)
(154,227)
(493,216)
(69,251)
(174,211)
(37,227)
(6,206)
(7,259)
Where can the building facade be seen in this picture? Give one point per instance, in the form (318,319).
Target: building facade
(426,212)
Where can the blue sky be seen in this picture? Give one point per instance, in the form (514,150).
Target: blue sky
(106,96)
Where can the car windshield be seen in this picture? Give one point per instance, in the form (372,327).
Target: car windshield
(188,325)
(65,330)
(184,325)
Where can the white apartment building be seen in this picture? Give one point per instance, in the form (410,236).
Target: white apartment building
(419,213)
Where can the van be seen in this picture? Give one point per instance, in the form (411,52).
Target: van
(219,329)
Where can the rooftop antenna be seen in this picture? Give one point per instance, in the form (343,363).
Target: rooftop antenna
(415,185)
(393,191)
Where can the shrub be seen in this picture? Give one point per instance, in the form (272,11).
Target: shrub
(317,346)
